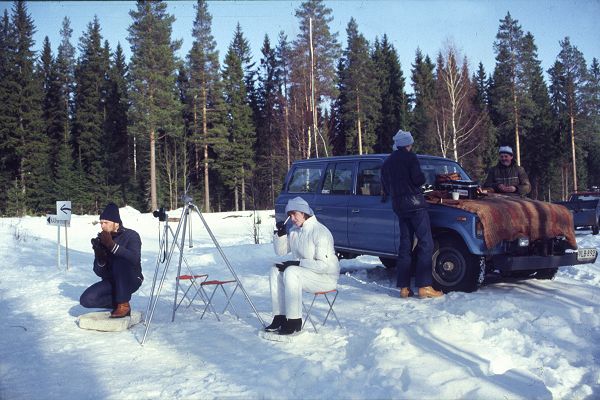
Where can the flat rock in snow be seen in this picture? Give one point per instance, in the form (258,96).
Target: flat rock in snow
(101,321)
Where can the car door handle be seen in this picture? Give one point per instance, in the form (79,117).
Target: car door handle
(355,211)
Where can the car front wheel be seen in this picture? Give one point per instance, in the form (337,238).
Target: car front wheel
(454,268)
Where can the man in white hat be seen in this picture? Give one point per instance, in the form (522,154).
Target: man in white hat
(507,177)
(402,179)
(314,267)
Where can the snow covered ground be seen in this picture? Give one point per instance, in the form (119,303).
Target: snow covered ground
(510,340)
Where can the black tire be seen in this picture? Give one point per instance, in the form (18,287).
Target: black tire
(388,262)
(596,228)
(453,267)
(526,274)
(546,274)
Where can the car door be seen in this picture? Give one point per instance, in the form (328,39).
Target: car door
(372,224)
(331,202)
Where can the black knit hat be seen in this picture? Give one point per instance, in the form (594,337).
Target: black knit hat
(111,213)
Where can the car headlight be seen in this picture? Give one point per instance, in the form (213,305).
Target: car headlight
(523,242)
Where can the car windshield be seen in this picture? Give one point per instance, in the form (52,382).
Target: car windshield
(433,167)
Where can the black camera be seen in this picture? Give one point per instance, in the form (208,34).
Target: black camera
(161,214)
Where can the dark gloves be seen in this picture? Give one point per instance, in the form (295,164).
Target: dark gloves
(99,251)
(107,241)
(280,225)
(282,266)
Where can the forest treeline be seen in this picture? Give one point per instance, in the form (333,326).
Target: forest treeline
(87,125)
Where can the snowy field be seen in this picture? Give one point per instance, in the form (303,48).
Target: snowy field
(510,340)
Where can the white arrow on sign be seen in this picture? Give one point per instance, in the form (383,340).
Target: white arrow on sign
(53,220)
(63,210)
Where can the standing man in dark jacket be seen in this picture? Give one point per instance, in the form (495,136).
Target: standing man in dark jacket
(117,261)
(507,177)
(402,179)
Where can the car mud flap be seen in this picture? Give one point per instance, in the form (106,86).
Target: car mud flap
(482,267)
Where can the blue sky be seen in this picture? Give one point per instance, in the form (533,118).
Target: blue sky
(428,24)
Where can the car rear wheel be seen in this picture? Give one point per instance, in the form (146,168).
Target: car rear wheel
(454,268)
(596,228)
(545,274)
(388,262)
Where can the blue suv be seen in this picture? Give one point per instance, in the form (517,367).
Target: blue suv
(346,194)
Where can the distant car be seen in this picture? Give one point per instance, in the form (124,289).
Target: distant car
(585,207)
(345,193)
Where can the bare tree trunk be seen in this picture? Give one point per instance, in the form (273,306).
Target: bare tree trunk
(572,120)
(205,133)
(358,126)
(287,135)
(243,190)
(236,195)
(313,107)
(517,142)
(153,199)
(196,150)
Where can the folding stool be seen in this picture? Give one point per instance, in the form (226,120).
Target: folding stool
(218,284)
(329,311)
(194,283)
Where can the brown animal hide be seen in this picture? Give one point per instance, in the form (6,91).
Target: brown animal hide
(508,218)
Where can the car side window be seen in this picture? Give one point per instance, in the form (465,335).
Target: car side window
(305,179)
(338,179)
(369,178)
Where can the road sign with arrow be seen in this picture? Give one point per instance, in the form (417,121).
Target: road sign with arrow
(63,210)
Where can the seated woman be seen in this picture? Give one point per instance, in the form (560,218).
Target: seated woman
(315,266)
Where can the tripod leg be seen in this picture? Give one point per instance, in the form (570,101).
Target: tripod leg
(154,300)
(214,239)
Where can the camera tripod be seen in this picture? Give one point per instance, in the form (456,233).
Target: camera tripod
(165,256)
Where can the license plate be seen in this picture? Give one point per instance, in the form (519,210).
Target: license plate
(587,254)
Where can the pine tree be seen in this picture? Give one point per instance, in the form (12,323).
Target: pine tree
(155,107)
(487,153)
(316,62)
(204,99)
(119,165)
(7,157)
(592,105)
(569,79)
(270,141)
(508,96)
(361,107)
(424,88)
(28,139)
(284,59)
(235,159)
(65,69)
(393,98)
(89,117)
(52,105)
(65,177)
(540,141)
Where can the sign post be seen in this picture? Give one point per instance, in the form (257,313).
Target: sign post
(62,218)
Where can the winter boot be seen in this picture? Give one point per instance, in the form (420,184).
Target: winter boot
(291,326)
(428,291)
(122,310)
(277,323)
(405,292)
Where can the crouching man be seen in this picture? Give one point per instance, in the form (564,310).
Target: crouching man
(117,261)
(314,267)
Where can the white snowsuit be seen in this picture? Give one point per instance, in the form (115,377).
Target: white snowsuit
(319,268)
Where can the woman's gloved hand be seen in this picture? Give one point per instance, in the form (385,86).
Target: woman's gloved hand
(282,266)
(281,231)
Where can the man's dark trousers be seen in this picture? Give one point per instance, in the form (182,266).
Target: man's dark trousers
(411,224)
(118,288)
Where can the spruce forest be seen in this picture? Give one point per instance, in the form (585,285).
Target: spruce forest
(88,125)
